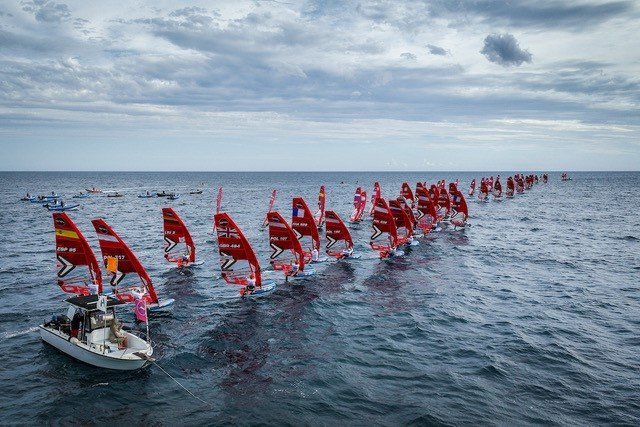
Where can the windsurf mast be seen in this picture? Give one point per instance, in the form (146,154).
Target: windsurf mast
(120,261)
(272,201)
(176,235)
(238,261)
(73,250)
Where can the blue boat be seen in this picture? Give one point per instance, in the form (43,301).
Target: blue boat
(62,207)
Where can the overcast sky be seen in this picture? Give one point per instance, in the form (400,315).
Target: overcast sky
(320,85)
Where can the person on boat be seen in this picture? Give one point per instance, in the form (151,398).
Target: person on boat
(314,255)
(119,335)
(148,193)
(76,321)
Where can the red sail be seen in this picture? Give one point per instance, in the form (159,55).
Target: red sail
(427,215)
(403,223)
(112,246)
(510,187)
(178,244)
(472,187)
(408,211)
(434,196)
(319,217)
(444,202)
(374,196)
(459,209)
(497,188)
(73,250)
(238,261)
(407,193)
(304,225)
(385,234)
(362,207)
(337,232)
(357,202)
(272,201)
(284,243)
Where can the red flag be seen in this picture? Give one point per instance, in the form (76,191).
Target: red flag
(141,310)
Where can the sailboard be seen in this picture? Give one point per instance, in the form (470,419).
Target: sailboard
(384,238)
(339,241)
(72,251)
(179,247)
(238,261)
(357,202)
(306,230)
(407,193)
(427,214)
(121,261)
(459,209)
(404,227)
(287,254)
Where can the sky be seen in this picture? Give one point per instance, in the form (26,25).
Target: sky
(320,85)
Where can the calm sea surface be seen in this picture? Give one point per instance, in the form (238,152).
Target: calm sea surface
(531,316)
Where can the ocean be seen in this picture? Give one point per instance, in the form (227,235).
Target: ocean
(530,316)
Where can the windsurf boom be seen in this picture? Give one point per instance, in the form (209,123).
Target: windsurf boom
(179,247)
(120,261)
(73,250)
(339,241)
(384,239)
(320,214)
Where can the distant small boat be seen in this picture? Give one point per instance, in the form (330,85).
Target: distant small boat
(195,191)
(93,190)
(28,198)
(147,195)
(52,196)
(163,194)
(173,196)
(63,207)
(116,194)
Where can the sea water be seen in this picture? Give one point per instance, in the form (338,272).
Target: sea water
(529,316)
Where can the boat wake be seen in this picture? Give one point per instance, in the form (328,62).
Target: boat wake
(13,334)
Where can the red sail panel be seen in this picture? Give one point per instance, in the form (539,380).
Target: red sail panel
(362,206)
(304,225)
(409,211)
(497,188)
(434,195)
(444,202)
(375,196)
(472,187)
(272,201)
(238,261)
(284,243)
(319,216)
(403,225)
(73,250)
(357,202)
(510,187)
(427,215)
(178,244)
(112,246)
(385,234)
(459,209)
(407,193)
(337,232)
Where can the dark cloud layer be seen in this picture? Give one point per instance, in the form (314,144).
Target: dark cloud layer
(436,50)
(504,49)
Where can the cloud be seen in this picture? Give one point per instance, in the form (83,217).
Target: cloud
(505,50)
(47,11)
(436,50)
(408,56)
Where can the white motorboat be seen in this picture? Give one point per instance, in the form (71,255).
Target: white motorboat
(94,336)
